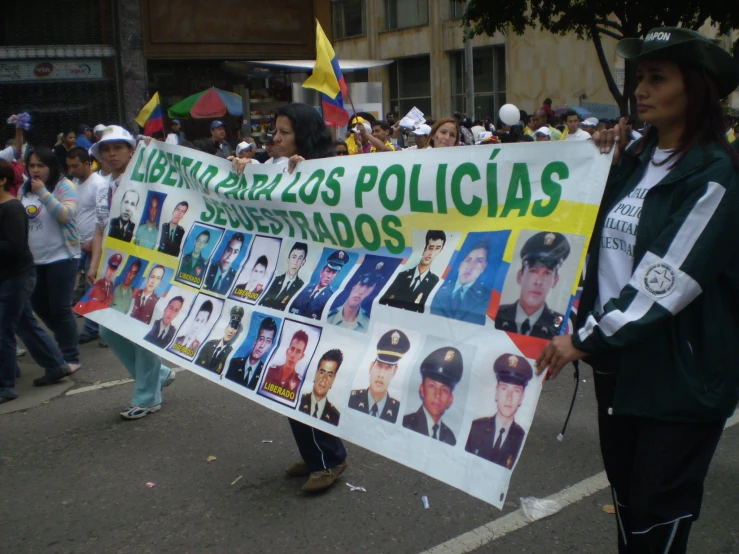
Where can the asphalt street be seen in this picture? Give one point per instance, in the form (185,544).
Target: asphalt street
(73,478)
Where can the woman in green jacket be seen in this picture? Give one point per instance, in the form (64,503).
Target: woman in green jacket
(658,314)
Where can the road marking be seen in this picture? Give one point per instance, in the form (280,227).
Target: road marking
(108,384)
(472,540)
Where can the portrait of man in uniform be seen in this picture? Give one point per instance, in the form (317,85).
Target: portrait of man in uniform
(316,403)
(312,300)
(412,287)
(123,292)
(215,352)
(193,263)
(541,257)
(498,438)
(222,274)
(163,331)
(441,371)
(375,399)
(122,227)
(172,231)
(144,300)
(246,370)
(190,339)
(351,314)
(466,298)
(148,231)
(253,288)
(286,377)
(102,290)
(285,286)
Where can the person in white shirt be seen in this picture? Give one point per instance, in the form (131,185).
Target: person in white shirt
(572,120)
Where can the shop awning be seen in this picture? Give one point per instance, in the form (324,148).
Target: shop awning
(346,65)
(57,52)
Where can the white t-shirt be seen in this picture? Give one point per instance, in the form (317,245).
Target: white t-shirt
(87,195)
(578,135)
(281,160)
(617,242)
(7,154)
(45,238)
(104,198)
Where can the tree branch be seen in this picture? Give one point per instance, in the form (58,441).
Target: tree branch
(608,33)
(608,23)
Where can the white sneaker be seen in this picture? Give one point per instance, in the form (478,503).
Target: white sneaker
(137,412)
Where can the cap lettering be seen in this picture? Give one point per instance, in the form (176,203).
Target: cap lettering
(657,36)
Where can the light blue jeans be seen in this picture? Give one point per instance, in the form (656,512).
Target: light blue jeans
(146,368)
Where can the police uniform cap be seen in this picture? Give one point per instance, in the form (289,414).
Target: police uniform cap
(392,346)
(337,260)
(547,248)
(368,279)
(115,261)
(443,365)
(237,314)
(513,369)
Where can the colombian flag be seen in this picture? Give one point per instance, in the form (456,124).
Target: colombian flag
(328,79)
(151,117)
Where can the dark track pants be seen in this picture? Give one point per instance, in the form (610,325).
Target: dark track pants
(318,449)
(656,470)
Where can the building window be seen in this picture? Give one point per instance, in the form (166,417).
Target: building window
(456,9)
(406,13)
(349,18)
(410,85)
(489,79)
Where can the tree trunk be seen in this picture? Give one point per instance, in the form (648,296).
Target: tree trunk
(617,96)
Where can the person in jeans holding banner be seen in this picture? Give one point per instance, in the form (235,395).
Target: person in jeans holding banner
(301,134)
(116,148)
(657,319)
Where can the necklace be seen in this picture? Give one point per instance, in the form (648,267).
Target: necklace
(663,162)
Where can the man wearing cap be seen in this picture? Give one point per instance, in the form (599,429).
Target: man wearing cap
(122,227)
(589,125)
(123,293)
(246,149)
(144,300)
(175,135)
(315,403)
(312,300)
(411,288)
(421,135)
(541,257)
(214,353)
(285,286)
(255,285)
(466,298)
(221,275)
(573,132)
(172,231)
(351,314)
(441,371)
(247,370)
(375,399)
(148,233)
(539,120)
(98,131)
(102,291)
(84,137)
(543,134)
(115,149)
(498,439)
(162,332)
(217,144)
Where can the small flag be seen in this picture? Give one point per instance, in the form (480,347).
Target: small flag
(328,79)
(151,117)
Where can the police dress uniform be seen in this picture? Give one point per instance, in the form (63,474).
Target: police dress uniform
(102,290)
(170,245)
(237,372)
(362,321)
(143,309)
(275,297)
(402,294)
(212,356)
(482,440)
(121,231)
(226,279)
(189,266)
(311,302)
(153,335)
(550,250)
(470,306)
(391,348)
(444,365)
(274,376)
(329,414)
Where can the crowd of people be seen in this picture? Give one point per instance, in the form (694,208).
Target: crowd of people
(663,375)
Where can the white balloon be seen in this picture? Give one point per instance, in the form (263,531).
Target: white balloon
(509,114)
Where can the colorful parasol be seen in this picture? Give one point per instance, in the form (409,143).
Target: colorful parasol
(207,104)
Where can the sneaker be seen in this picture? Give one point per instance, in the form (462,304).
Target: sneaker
(298,469)
(321,480)
(102,344)
(20,351)
(52,376)
(170,378)
(84,338)
(137,412)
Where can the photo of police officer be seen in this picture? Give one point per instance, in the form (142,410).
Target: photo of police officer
(102,290)
(375,400)
(411,288)
(257,270)
(352,307)
(248,362)
(286,367)
(225,264)
(203,314)
(214,353)
(499,438)
(524,306)
(334,266)
(468,286)
(172,231)
(122,227)
(154,286)
(287,284)
(163,330)
(199,245)
(315,403)
(123,291)
(147,233)
(441,371)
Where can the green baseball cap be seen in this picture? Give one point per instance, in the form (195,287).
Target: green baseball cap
(688,47)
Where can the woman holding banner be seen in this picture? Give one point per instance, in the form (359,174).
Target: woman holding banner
(657,318)
(301,134)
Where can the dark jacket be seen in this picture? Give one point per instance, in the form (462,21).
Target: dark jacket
(359,400)
(205,356)
(153,335)
(311,307)
(676,337)
(226,279)
(276,299)
(237,372)
(417,422)
(166,244)
(401,295)
(481,442)
(14,251)
(547,326)
(329,414)
(121,231)
(472,307)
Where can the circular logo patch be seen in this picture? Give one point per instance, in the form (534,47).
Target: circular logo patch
(33,211)
(660,280)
